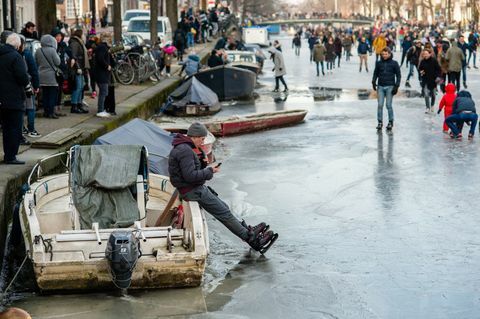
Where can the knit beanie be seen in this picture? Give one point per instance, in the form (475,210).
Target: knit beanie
(197,130)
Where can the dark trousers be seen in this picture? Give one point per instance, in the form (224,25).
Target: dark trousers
(277,84)
(217,208)
(50,96)
(455,122)
(12,125)
(110,100)
(454,77)
(320,63)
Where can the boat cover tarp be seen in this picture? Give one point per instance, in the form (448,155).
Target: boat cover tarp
(101,176)
(139,132)
(192,91)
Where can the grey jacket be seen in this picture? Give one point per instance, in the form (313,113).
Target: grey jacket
(47,60)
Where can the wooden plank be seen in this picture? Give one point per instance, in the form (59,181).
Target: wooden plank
(57,138)
(166,216)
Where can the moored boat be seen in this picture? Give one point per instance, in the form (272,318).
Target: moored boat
(228,82)
(255,122)
(76,242)
(244,60)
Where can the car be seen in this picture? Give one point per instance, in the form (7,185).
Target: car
(141,26)
(129,14)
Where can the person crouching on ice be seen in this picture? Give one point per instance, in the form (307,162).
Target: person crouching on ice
(447,103)
(463,111)
(188,173)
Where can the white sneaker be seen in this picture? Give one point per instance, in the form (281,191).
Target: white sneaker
(103,114)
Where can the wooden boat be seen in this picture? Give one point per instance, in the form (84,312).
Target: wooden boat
(256,122)
(244,60)
(66,257)
(228,82)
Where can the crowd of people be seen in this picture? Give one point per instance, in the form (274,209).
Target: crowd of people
(32,79)
(438,59)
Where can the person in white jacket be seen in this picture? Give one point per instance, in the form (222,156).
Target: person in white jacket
(279,68)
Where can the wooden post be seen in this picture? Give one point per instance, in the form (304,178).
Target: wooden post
(117,22)
(153,21)
(46,16)
(172,13)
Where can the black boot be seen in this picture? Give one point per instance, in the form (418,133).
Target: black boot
(379,126)
(262,227)
(389,125)
(262,240)
(74,109)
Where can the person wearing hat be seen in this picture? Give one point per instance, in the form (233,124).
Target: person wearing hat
(189,172)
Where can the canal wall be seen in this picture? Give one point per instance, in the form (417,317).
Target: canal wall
(143,105)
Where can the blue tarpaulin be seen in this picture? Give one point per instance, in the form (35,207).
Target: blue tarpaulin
(139,132)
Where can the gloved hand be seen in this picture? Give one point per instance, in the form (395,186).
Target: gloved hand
(439,111)
(395,90)
(374,86)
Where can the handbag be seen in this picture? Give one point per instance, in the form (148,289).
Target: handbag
(58,73)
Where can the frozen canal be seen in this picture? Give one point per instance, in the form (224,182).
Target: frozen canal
(371,225)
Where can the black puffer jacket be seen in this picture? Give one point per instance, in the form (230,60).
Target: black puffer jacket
(431,70)
(184,166)
(387,72)
(13,79)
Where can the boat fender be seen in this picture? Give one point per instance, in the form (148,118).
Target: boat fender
(122,252)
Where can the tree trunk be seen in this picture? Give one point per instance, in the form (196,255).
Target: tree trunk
(172,13)
(117,22)
(153,21)
(46,11)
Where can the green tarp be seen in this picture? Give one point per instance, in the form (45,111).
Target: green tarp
(101,176)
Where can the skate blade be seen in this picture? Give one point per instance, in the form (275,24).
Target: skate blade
(270,243)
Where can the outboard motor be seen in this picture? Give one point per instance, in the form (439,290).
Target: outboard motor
(123,252)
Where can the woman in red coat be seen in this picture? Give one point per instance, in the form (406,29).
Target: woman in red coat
(447,103)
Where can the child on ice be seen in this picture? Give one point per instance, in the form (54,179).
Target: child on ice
(447,103)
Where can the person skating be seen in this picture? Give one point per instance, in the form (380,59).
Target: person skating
(330,55)
(319,56)
(446,103)
(455,59)
(387,72)
(188,174)
(297,43)
(429,71)
(363,50)
(378,44)
(464,47)
(463,111)
(413,58)
(279,68)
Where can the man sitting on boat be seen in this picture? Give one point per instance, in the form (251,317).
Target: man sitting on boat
(189,174)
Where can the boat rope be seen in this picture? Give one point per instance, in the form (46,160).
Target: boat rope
(47,244)
(16,274)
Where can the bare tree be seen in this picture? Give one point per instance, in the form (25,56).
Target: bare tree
(172,13)
(117,22)
(430,6)
(46,11)
(153,21)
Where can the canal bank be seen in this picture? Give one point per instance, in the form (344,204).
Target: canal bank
(139,101)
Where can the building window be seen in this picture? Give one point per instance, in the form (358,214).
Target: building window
(74,8)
